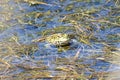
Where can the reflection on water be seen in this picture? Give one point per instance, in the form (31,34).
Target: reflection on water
(96,47)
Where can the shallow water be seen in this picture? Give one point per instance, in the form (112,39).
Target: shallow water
(94,50)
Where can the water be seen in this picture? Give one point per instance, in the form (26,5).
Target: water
(95,22)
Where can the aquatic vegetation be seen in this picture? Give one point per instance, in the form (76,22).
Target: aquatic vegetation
(17,49)
(32,74)
(33,2)
(69,7)
(95,25)
(57,29)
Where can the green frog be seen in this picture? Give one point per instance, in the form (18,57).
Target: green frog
(57,39)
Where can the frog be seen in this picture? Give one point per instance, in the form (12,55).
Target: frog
(57,39)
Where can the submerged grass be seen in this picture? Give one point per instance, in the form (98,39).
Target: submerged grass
(85,22)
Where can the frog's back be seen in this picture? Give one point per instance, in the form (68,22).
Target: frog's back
(58,39)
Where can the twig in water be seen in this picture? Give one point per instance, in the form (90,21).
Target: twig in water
(76,55)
